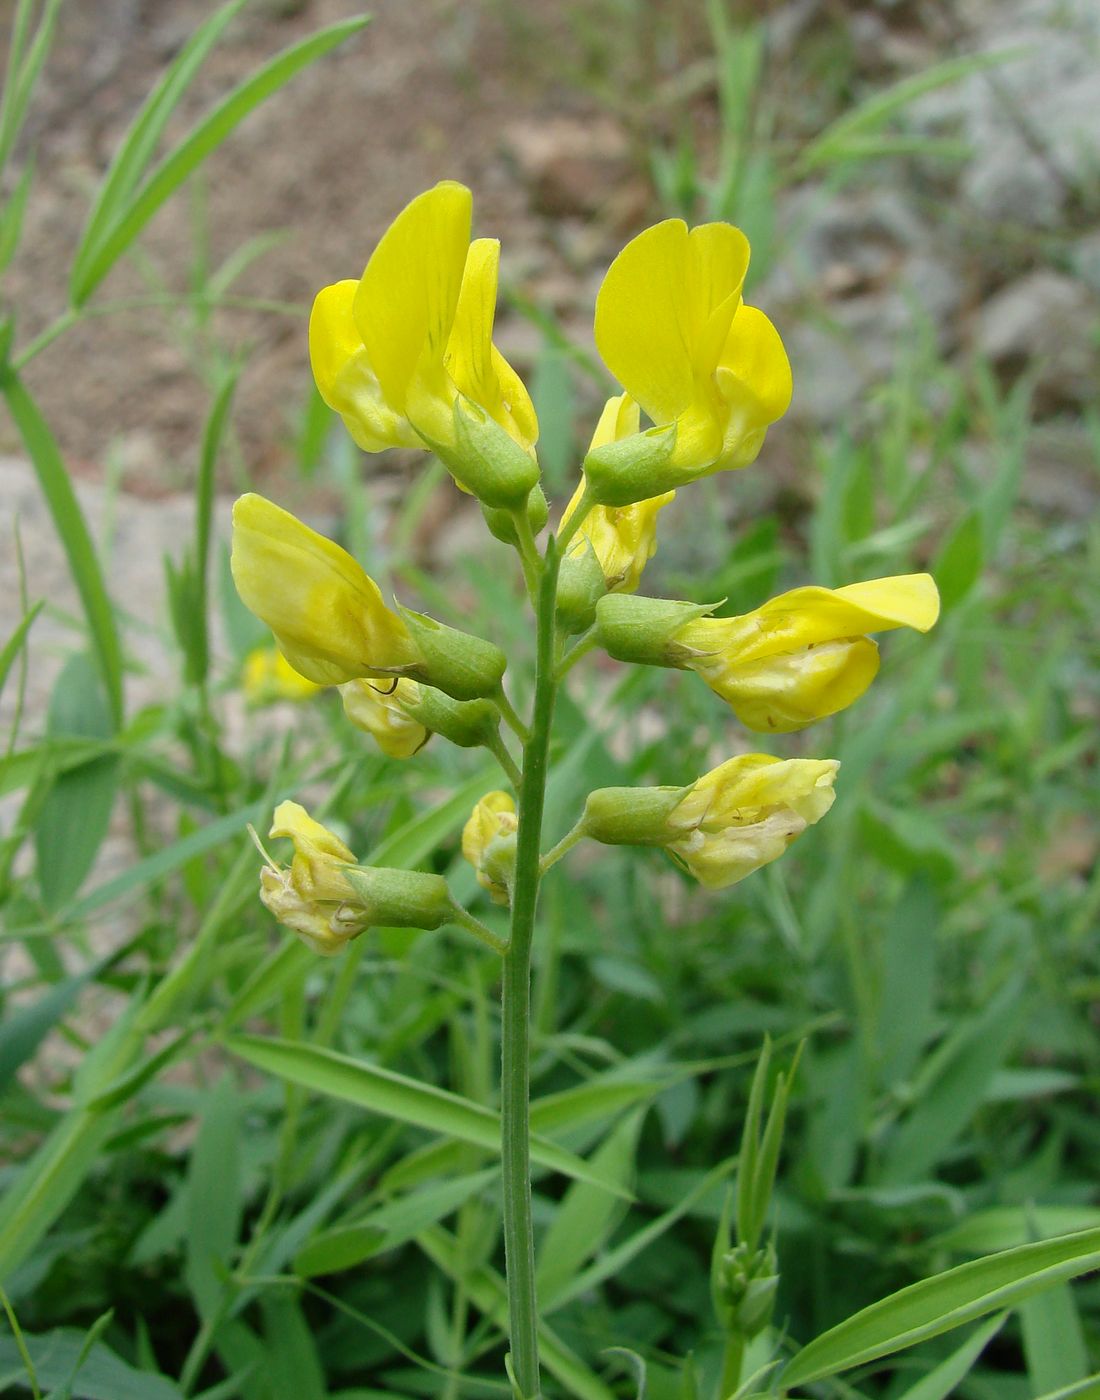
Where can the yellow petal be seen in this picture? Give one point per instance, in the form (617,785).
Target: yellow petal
(377,709)
(809,616)
(642,320)
(327,615)
(476,367)
(781,694)
(906,600)
(754,366)
(309,836)
(345,379)
(405,305)
(746,813)
(718,261)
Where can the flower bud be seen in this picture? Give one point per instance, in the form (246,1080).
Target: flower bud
(489,843)
(467,723)
(634,468)
(327,615)
(581,585)
(502,523)
(643,630)
(401,898)
(384,712)
(631,816)
(747,1284)
(486,460)
(462,666)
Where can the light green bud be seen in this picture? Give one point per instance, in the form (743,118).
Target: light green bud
(633,468)
(641,630)
(581,584)
(502,524)
(467,723)
(631,816)
(748,1281)
(400,898)
(462,666)
(486,459)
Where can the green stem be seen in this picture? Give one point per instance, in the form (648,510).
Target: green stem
(564,846)
(528,551)
(464,919)
(519,1248)
(581,647)
(509,716)
(732,1360)
(495,745)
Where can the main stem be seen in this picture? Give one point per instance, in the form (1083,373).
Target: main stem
(519,1245)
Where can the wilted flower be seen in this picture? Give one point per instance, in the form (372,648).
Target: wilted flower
(313,896)
(380,710)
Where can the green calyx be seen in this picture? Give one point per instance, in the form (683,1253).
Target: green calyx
(631,816)
(462,666)
(400,898)
(643,630)
(633,468)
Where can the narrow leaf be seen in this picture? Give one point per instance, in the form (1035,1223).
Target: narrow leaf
(194,148)
(394,1095)
(936,1305)
(73,532)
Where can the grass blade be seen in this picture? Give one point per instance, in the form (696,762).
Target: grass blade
(73,532)
(15,642)
(136,151)
(194,148)
(394,1095)
(936,1305)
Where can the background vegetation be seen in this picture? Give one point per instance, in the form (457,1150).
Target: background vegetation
(195,1201)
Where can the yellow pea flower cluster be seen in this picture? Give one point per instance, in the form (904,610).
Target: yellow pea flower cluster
(406,356)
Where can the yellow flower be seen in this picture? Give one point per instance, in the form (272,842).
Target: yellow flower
(673,329)
(328,617)
(380,711)
(393,352)
(746,813)
(803,655)
(623,538)
(489,843)
(267,676)
(313,896)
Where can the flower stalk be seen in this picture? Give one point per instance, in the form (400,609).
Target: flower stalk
(515,1090)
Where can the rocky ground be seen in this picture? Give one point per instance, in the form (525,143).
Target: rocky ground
(550,115)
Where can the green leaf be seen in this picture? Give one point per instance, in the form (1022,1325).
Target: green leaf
(11,221)
(213,1197)
(24,66)
(73,533)
(167,860)
(140,142)
(1088,1389)
(1054,1346)
(47,1182)
(15,642)
(125,225)
(963,1074)
(291,1348)
(102,1375)
(870,115)
(487,1291)
(941,1382)
(936,1305)
(958,565)
(76,811)
(586,1215)
(389,1225)
(1002,1227)
(395,1096)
